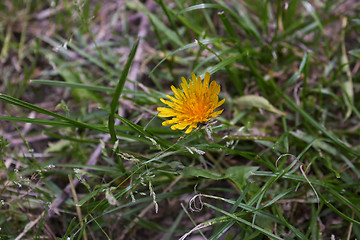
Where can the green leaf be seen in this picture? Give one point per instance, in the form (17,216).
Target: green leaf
(17,102)
(337,211)
(258,102)
(242,19)
(144,133)
(57,146)
(315,124)
(196,172)
(355,52)
(173,13)
(319,143)
(72,85)
(190,45)
(356,21)
(37,121)
(347,83)
(241,220)
(239,175)
(137,5)
(201,6)
(222,64)
(73,77)
(296,231)
(118,90)
(297,75)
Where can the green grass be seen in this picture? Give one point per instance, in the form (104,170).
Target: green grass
(83,152)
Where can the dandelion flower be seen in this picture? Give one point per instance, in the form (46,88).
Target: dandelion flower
(194,103)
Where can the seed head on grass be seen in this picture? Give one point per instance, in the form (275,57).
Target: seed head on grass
(194,103)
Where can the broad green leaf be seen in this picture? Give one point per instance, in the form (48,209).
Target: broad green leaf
(355,53)
(57,146)
(71,76)
(239,175)
(258,102)
(196,172)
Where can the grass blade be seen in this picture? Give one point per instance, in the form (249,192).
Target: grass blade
(72,85)
(249,224)
(118,90)
(315,124)
(17,102)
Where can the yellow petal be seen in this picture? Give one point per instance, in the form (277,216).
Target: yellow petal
(214,88)
(190,128)
(193,76)
(170,104)
(169,122)
(206,80)
(166,112)
(220,103)
(194,102)
(198,86)
(185,88)
(215,114)
(178,93)
(179,126)
(173,99)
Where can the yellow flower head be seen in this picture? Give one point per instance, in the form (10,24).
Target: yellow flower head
(194,104)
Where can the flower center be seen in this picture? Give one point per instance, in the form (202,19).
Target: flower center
(197,110)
